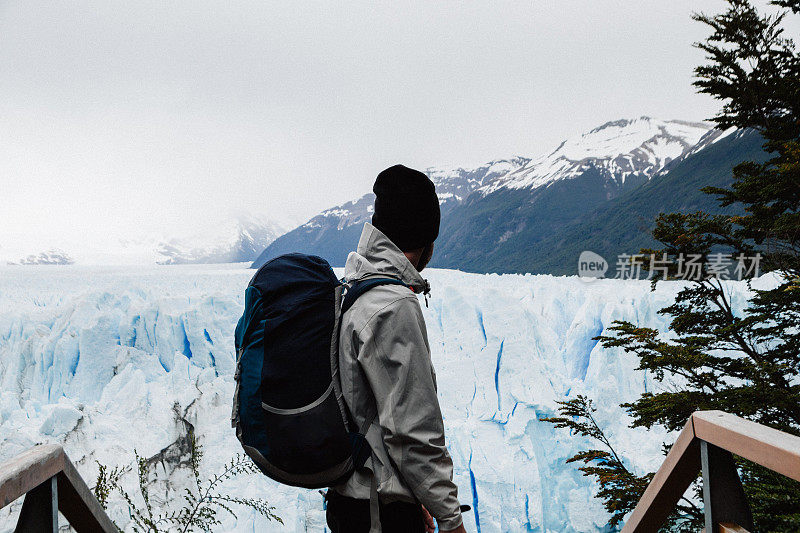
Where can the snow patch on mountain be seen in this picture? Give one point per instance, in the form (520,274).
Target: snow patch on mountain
(458,183)
(711,137)
(660,139)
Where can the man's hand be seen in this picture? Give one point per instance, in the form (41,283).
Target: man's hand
(426,516)
(431,528)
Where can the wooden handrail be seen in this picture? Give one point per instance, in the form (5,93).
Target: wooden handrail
(766,446)
(33,468)
(28,470)
(706,435)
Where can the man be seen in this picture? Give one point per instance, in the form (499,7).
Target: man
(385,366)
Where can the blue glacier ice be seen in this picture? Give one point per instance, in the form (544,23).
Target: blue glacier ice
(106,360)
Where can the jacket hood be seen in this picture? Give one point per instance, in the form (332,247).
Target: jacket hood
(377,256)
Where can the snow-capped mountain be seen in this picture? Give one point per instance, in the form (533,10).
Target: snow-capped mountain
(639,147)
(220,239)
(48,257)
(331,234)
(498,229)
(236,240)
(490,207)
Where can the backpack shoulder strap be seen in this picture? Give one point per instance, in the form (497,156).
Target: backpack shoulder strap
(358,288)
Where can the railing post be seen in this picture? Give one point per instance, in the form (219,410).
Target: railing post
(723,496)
(40,509)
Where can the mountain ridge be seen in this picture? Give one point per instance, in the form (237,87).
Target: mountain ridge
(495,202)
(334,232)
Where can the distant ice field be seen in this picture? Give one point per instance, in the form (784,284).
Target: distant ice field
(105,360)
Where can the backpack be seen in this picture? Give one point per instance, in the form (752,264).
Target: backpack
(288,409)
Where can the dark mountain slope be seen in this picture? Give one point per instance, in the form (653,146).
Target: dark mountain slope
(624,224)
(493,233)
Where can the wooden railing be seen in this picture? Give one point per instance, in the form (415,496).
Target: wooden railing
(707,444)
(50,483)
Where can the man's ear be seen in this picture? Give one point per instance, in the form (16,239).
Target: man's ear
(425,257)
(414,256)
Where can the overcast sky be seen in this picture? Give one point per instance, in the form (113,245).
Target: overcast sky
(141,114)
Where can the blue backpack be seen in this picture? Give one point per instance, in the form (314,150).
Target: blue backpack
(288,409)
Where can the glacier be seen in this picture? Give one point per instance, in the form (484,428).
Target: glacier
(108,360)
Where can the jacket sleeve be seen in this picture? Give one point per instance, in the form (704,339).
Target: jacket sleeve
(396,362)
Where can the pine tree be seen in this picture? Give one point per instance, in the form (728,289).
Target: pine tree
(746,363)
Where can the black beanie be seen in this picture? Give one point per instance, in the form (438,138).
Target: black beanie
(406,207)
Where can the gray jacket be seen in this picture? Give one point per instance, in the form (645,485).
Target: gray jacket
(385,363)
